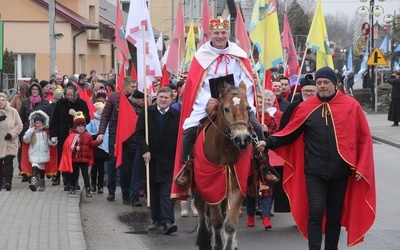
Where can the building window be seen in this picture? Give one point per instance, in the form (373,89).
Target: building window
(192,9)
(26,65)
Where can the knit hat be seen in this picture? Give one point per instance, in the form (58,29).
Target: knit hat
(137,94)
(101,93)
(99,106)
(98,86)
(38,118)
(326,72)
(79,119)
(43,83)
(307,80)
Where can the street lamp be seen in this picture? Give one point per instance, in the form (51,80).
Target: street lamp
(391,19)
(373,10)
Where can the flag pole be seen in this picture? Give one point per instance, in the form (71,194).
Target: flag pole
(299,73)
(146,113)
(263,97)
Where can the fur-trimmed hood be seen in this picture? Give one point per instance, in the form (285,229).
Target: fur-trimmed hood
(39,112)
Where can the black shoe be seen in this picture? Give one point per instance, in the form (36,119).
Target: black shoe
(66,188)
(136,202)
(126,201)
(111,197)
(56,182)
(170,228)
(24,178)
(154,226)
(7,186)
(93,189)
(99,190)
(77,187)
(395,125)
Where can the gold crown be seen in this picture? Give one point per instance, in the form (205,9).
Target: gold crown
(219,23)
(79,115)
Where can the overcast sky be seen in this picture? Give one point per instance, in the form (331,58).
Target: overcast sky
(350,6)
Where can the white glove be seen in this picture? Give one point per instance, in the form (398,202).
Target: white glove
(54,140)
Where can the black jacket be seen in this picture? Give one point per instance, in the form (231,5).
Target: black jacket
(26,109)
(321,155)
(162,144)
(61,121)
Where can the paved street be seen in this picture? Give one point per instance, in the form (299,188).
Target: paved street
(52,219)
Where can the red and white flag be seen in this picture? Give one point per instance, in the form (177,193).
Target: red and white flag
(205,24)
(177,45)
(120,41)
(288,45)
(139,32)
(242,38)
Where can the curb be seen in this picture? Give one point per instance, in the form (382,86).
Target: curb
(75,231)
(386,141)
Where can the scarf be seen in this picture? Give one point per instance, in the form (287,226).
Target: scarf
(35,100)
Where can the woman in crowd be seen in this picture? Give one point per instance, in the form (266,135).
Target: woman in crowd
(10,128)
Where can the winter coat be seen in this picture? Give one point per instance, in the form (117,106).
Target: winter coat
(93,129)
(61,121)
(11,125)
(162,144)
(39,152)
(86,144)
(26,109)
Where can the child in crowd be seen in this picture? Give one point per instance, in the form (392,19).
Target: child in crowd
(78,153)
(100,153)
(37,136)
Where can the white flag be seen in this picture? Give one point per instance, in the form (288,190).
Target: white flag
(159,43)
(138,18)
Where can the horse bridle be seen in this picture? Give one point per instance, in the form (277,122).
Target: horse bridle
(229,128)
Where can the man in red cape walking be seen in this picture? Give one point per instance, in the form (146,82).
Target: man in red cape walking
(218,57)
(329,167)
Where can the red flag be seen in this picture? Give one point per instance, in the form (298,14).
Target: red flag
(133,72)
(126,124)
(288,45)
(165,77)
(242,38)
(177,45)
(205,24)
(84,96)
(268,80)
(120,41)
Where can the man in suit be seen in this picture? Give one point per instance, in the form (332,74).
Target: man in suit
(159,152)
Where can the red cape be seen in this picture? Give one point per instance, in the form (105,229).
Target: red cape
(196,75)
(66,158)
(354,146)
(211,179)
(50,167)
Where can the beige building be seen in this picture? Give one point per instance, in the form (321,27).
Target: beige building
(85,43)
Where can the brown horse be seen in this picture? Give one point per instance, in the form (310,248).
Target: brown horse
(226,141)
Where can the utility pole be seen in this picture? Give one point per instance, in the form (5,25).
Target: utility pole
(53,51)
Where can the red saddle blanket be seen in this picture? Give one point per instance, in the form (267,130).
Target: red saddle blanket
(211,180)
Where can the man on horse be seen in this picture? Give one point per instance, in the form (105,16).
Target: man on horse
(218,57)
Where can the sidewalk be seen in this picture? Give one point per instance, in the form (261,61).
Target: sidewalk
(51,219)
(40,220)
(382,130)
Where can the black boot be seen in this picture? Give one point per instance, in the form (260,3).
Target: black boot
(88,194)
(34,180)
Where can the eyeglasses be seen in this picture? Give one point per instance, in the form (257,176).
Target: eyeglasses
(308,91)
(35,89)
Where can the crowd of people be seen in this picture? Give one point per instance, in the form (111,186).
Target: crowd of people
(69,124)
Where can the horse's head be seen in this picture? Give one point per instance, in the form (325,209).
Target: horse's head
(235,110)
